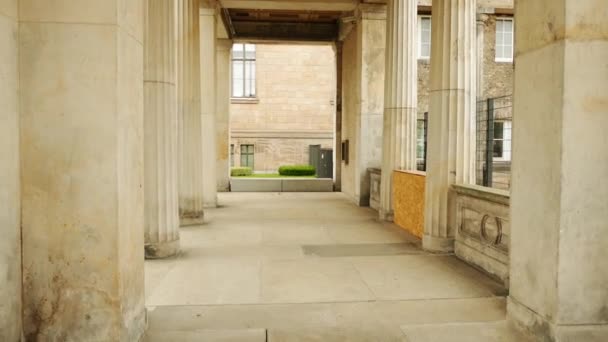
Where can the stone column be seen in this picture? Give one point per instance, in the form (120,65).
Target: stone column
(10,199)
(208,109)
(481,27)
(82,178)
(160,131)
(559,193)
(451,136)
(338,121)
(222,89)
(400,97)
(189,114)
(363,99)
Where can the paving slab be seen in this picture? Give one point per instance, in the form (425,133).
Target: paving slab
(311,281)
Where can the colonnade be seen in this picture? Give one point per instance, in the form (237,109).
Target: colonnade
(104,97)
(559,193)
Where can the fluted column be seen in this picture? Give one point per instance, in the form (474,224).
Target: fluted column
(189,113)
(451,145)
(222,124)
(160,131)
(400,97)
(208,107)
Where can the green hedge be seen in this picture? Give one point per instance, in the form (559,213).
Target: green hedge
(297,170)
(240,171)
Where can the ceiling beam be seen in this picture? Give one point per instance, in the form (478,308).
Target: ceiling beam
(301,5)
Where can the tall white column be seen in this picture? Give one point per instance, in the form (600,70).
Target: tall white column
(81,96)
(208,108)
(222,72)
(559,192)
(160,131)
(189,113)
(400,97)
(451,136)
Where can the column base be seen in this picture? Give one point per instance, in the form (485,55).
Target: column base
(160,250)
(533,324)
(388,216)
(191,219)
(136,329)
(437,244)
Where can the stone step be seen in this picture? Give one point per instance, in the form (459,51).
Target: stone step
(499,331)
(210,335)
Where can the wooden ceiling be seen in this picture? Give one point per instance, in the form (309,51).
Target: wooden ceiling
(282,24)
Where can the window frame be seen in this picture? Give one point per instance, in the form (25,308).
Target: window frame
(253,79)
(496,57)
(232,150)
(419,34)
(246,154)
(506,140)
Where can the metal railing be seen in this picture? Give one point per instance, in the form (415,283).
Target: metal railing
(494,141)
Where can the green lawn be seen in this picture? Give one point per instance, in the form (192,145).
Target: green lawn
(272,175)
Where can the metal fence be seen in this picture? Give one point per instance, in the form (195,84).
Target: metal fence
(494,132)
(422,129)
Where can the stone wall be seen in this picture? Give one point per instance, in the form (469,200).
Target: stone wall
(294,108)
(497,76)
(10,228)
(481,216)
(272,151)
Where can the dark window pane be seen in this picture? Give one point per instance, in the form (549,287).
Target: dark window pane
(498,130)
(498,148)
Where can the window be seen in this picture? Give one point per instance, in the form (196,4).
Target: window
(421,136)
(504,40)
(231,155)
(243,70)
(424,37)
(502,140)
(247,156)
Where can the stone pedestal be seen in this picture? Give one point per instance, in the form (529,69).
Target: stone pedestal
(10,214)
(400,97)
(81,97)
(559,193)
(222,125)
(160,131)
(451,136)
(208,108)
(189,114)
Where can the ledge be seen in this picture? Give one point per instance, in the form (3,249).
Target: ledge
(482,192)
(244,100)
(412,172)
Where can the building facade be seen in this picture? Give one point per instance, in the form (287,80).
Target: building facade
(282,102)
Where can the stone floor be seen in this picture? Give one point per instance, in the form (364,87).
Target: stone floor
(314,267)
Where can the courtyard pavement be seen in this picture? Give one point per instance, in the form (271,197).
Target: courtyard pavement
(314,267)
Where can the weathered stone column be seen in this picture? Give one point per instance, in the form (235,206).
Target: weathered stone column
(208,108)
(160,131)
(451,136)
(400,97)
(189,114)
(10,199)
(363,62)
(559,193)
(81,110)
(222,95)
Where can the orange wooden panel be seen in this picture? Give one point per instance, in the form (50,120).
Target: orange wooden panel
(408,200)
